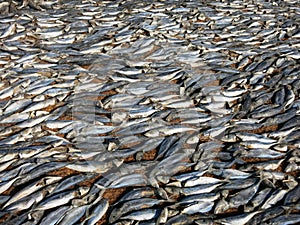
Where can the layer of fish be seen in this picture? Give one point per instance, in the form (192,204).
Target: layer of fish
(161,112)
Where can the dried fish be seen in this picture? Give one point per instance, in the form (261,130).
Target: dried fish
(55,216)
(98,212)
(161,112)
(73,215)
(59,199)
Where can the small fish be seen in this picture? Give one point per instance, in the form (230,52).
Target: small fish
(180,220)
(73,215)
(163,217)
(59,199)
(98,212)
(71,181)
(262,153)
(254,137)
(15,118)
(240,219)
(292,196)
(129,180)
(132,205)
(257,200)
(275,197)
(285,219)
(55,216)
(31,189)
(142,215)
(199,207)
(239,184)
(201,180)
(16,106)
(27,202)
(258,144)
(267,112)
(6,184)
(168,130)
(10,30)
(232,174)
(40,105)
(199,189)
(94,166)
(243,196)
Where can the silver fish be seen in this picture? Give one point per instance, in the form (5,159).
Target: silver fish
(169,112)
(98,212)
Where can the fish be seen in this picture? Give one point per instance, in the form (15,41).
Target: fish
(276,196)
(201,180)
(132,205)
(199,189)
(199,207)
(69,182)
(138,193)
(73,215)
(27,202)
(55,216)
(258,199)
(141,215)
(240,219)
(31,189)
(180,220)
(243,196)
(94,166)
(10,30)
(286,219)
(59,199)
(169,112)
(98,212)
